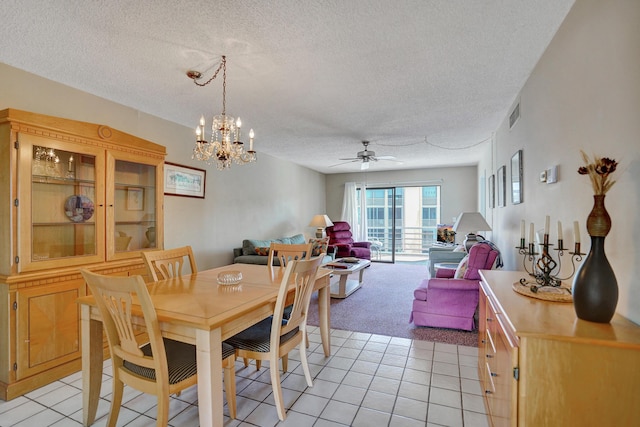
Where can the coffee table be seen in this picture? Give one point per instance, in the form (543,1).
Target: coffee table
(346,286)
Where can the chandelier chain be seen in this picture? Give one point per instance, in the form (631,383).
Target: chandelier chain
(223,65)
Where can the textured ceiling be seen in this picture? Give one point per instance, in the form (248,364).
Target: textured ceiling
(427,81)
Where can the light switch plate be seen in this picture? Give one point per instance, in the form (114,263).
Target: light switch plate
(543,176)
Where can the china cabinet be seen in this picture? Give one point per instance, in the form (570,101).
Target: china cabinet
(73,194)
(539,365)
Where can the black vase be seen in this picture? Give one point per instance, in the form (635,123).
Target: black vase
(595,288)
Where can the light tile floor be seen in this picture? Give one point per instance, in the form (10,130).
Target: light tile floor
(370,380)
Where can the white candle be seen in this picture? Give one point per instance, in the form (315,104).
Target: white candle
(522,230)
(576,231)
(559,230)
(531,233)
(546,224)
(251,134)
(70,163)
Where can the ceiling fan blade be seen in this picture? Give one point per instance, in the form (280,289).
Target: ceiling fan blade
(343,163)
(385,158)
(353,159)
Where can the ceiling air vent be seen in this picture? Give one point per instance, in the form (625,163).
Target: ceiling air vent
(515,115)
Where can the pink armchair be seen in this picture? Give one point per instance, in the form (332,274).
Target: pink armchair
(341,239)
(447,302)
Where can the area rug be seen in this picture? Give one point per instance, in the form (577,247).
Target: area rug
(382,306)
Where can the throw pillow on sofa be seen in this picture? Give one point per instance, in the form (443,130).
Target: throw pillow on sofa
(319,246)
(262,251)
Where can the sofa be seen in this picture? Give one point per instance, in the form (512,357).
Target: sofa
(450,299)
(256,251)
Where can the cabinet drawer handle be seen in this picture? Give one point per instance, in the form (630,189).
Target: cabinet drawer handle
(489,356)
(493,374)
(484,341)
(488,392)
(489,319)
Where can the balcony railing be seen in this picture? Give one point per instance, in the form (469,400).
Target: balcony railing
(411,242)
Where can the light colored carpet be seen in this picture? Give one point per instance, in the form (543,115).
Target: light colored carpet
(383,305)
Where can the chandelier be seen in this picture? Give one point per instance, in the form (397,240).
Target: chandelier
(225,146)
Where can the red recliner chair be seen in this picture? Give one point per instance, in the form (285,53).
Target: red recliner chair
(341,239)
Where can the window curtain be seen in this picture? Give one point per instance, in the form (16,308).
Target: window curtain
(355,213)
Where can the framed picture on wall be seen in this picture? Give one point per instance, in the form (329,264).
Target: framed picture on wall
(184,181)
(492,191)
(516,178)
(501,186)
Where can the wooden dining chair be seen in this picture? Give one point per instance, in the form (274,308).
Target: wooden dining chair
(273,338)
(168,263)
(160,366)
(285,252)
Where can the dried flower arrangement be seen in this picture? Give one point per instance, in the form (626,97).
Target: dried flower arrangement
(598,171)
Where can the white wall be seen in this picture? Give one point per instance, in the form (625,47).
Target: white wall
(584,94)
(268,199)
(459,192)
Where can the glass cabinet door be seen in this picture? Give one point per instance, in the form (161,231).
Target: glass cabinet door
(60,204)
(135,205)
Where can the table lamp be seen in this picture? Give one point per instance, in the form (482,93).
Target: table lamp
(320,222)
(470,222)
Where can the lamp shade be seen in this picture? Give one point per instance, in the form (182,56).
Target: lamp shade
(320,222)
(469,223)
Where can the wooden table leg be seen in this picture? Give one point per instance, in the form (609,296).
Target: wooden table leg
(209,359)
(91,336)
(324,312)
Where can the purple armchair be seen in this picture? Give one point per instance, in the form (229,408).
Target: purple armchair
(341,239)
(447,302)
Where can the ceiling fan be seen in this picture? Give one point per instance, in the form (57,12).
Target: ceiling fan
(365,157)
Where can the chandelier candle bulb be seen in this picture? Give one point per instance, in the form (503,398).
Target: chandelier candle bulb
(576,231)
(251,140)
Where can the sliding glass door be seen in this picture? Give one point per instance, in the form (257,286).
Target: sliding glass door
(401,222)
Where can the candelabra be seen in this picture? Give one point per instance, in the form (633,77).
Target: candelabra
(544,269)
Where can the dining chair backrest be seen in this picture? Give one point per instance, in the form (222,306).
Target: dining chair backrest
(285,253)
(147,362)
(168,263)
(302,274)
(115,297)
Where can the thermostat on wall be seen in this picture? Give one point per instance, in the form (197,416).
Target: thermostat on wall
(552,175)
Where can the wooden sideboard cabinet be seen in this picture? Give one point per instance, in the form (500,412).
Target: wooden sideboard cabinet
(72,194)
(539,365)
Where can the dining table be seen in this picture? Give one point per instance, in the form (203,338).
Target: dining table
(196,309)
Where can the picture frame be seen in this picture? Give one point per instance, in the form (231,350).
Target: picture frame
(492,191)
(184,181)
(516,178)
(135,198)
(500,186)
